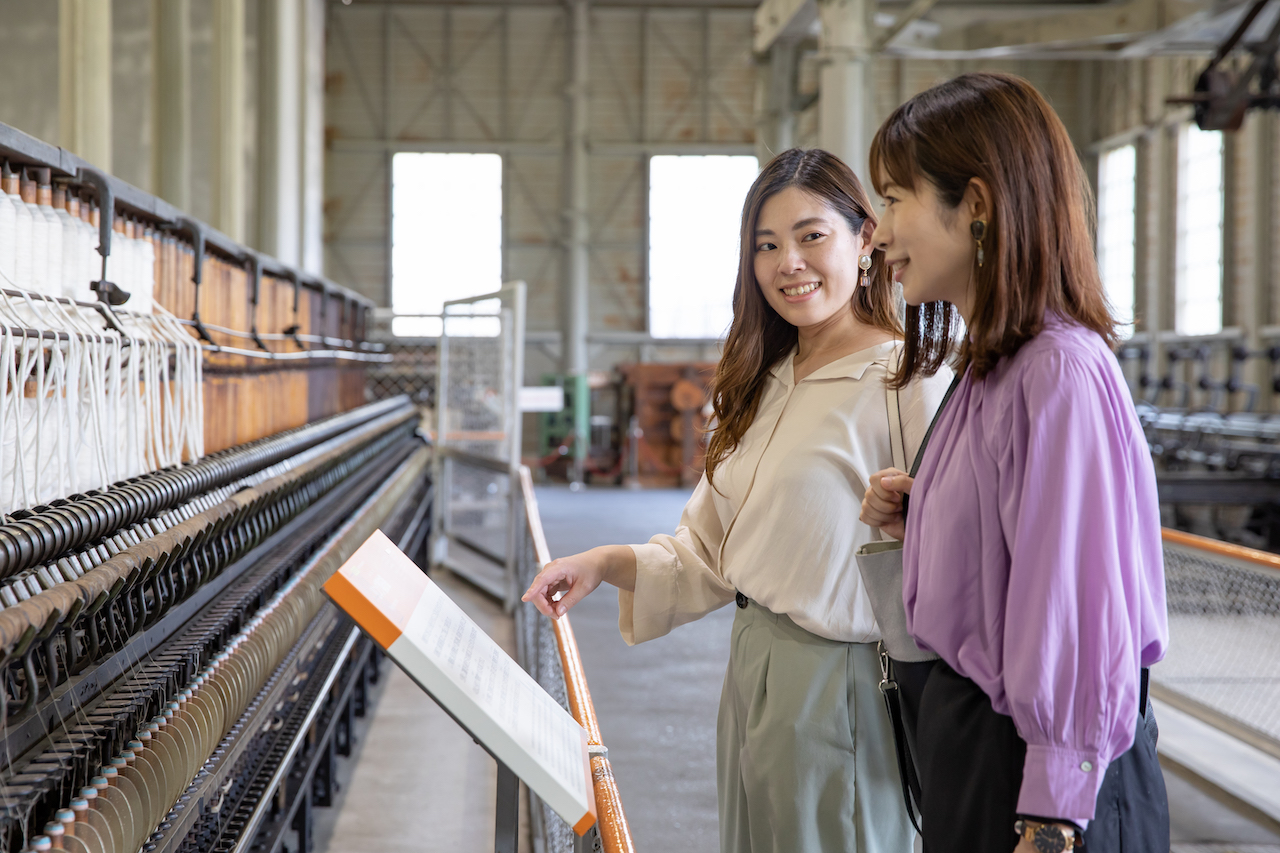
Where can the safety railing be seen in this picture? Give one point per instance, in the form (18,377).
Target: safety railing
(548,651)
(1223,661)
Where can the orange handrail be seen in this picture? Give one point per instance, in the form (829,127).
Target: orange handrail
(615,834)
(1262,559)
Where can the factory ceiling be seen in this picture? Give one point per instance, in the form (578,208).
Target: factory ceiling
(1008,29)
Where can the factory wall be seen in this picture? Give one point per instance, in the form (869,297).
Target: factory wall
(272,210)
(493,79)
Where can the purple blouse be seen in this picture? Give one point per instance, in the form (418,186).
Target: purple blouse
(1033,563)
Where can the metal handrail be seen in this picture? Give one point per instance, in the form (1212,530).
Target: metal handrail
(1251,556)
(1244,562)
(611,821)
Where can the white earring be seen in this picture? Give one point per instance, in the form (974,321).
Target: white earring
(864,264)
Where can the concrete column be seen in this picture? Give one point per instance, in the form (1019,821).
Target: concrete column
(1257,290)
(171,96)
(776,128)
(313,138)
(847,82)
(576,262)
(84,79)
(279,129)
(1155,202)
(229,93)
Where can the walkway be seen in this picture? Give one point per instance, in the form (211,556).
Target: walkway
(656,701)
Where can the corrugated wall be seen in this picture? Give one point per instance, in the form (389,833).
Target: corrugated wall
(448,78)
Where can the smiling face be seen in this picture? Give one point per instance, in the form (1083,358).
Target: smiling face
(927,245)
(806,258)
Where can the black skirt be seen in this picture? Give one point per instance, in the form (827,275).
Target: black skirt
(970,762)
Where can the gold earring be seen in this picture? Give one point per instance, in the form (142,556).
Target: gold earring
(864,264)
(978,228)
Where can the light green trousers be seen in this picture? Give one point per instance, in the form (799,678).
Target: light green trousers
(804,748)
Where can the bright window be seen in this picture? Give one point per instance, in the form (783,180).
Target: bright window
(1199,245)
(1117,176)
(695,213)
(446,234)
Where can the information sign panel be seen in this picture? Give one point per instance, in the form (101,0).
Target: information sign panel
(469,675)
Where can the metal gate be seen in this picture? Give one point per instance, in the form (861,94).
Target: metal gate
(480,367)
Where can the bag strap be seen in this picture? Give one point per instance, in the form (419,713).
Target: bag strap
(951,389)
(897,440)
(906,765)
(915,466)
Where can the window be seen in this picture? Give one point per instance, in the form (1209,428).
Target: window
(1117,181)
(446,234)
(1199,243)
(695,213)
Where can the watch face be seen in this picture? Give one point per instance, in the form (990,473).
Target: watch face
(1050,839)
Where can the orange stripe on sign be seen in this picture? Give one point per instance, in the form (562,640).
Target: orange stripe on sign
(379,587)
(588,821)
(359,608)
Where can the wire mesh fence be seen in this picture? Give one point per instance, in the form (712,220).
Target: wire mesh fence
(412,371)
(480,357)
(476,359)
(1224,637)
(539,655)
(478,505)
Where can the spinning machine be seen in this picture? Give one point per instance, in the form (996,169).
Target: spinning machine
(185,456)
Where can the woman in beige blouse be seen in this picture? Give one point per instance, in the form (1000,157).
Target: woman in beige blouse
(805,758)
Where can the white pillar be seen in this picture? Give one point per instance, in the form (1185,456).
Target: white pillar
(279,128)
(776,126)
(84,79)
(229,95)
(313,139)
(846,93)
(171,96)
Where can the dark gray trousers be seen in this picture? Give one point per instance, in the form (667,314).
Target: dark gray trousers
(970,761)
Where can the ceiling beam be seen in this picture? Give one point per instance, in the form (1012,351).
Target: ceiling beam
(782,20)
(917,10)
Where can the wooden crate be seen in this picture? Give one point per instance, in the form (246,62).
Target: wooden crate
(667,458)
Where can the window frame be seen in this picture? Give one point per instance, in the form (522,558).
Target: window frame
(647,248)
(1101,244)
(502,234)
(1181,230)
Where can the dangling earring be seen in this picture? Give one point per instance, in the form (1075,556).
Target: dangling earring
(978,228)
(864,264)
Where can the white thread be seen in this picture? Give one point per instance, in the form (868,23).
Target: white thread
(22,243)
(8,236)
(39,249)
(71,253)
(53,250)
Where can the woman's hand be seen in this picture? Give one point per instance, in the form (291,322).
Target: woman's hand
(564,582)
(882,504)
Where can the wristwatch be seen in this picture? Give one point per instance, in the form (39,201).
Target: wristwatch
(1047,837)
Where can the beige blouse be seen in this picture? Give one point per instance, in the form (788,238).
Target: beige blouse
(781,524)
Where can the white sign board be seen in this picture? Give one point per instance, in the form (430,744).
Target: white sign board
(542,398)
(469,675)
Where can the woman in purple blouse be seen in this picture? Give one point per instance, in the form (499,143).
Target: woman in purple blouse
(1032,558)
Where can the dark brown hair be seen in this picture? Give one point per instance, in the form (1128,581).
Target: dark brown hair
(759,338)
(1039,246)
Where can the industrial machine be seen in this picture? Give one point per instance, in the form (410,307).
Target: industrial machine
(185,456)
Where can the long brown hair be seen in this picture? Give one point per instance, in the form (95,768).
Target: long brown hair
(759,338)
(1038,248)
